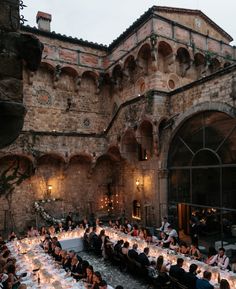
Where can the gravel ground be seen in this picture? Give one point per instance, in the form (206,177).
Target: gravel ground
(112,274)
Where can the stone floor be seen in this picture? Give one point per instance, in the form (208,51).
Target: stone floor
(112,274)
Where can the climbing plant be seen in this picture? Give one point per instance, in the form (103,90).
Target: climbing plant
(14,171)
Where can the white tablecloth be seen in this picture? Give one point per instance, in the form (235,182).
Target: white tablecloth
(75,244)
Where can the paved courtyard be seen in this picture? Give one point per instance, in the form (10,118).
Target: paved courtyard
(112,274)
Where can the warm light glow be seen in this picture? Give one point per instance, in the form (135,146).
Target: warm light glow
(137,182)
(49,187)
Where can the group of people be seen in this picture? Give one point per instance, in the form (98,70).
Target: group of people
(9,279)
(74,265)
(160,271)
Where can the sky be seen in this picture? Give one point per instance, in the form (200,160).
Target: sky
(102,21)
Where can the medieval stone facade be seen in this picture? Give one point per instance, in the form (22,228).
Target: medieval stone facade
(100,120)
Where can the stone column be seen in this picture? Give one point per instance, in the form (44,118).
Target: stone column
(163,191)
(14,48)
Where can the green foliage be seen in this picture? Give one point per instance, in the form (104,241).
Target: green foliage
(13,176)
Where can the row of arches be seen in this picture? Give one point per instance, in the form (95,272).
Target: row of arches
(181,61)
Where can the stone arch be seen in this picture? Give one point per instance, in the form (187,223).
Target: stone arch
(144,59)
(129,146)
(145,140)
(201,107)
(165,57)
(117,76)
(66,81)
(214,65)
(130,66)
(50,172)
(15,156)
(199,64)
(183,61)
(70,71)
(88,98)
(83,158)
(45,73)
(114,153)
(50,157)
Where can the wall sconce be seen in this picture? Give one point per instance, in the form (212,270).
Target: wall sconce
(49,192)
(138,185)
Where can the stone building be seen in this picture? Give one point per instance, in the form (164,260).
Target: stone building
(141,128)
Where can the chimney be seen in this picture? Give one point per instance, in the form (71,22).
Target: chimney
(44,19)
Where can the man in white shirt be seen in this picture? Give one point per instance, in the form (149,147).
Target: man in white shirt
(220,260)
(164,225)
(171,233)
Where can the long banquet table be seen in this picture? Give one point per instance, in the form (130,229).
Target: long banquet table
(30,255)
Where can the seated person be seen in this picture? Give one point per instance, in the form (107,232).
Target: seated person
(89,275)
(152,271)
(133,253)
(143,258)
(190,277)
(220,260)
(194,252)
(177,271)
(76,267)
(173,244)
(204,283)
(183,248)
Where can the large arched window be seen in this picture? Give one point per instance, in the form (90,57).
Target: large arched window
(202,173)
(202,161)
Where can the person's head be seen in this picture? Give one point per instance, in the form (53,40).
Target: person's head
(126,245)
(89,270)
(103,285)
(74,260)
(165,219)
(221,252)
(180,262)
(193,268)
(224,284)
(11,269)
(207,275)
(6,254)
(169,228)
(119,287)
(193,246)
(54,240)
(102,233)
(71,253)
(97,277)
(146,250)
(135,246)
(162,235)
